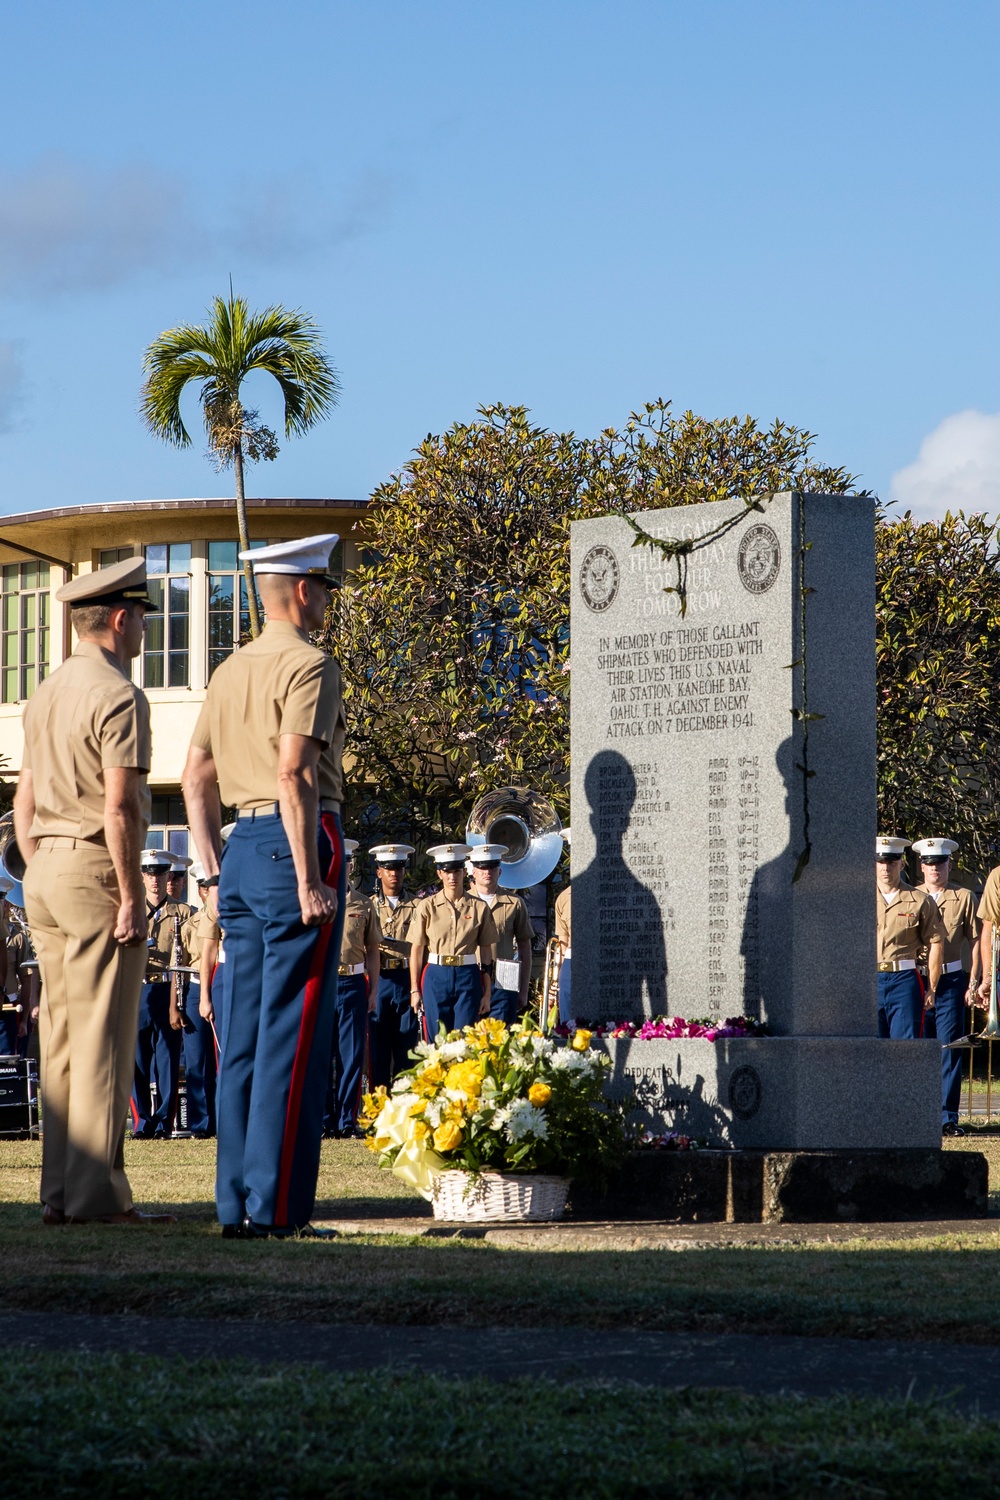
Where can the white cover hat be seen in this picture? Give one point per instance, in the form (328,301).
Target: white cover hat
(6,884)
(306,556)
(885,845)
(935,848)
(198,871)
(446,856)
(350,847)
(155,861)
(180,864)
(391,854)
(487,854)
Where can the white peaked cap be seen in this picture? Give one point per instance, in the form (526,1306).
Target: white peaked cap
(487,854)
(936,848)
(886,845)
(450,854)
(156,859)
(307,554)
(180,864)
(198,871)
(350,847)
(6,884)
(566,835)
(392,854)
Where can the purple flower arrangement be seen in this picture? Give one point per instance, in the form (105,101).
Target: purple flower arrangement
(676,1028)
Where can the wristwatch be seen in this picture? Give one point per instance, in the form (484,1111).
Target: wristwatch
(210,880)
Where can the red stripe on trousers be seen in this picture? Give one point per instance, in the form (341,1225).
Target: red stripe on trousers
(920,986)
(307,1025)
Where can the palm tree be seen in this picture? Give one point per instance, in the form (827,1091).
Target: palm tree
(221,354)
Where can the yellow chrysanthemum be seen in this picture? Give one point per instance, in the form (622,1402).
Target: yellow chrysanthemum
(581,1040)
(539,1094)
(447,1136)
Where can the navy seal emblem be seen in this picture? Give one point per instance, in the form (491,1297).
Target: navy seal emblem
(599,578)
(758,558)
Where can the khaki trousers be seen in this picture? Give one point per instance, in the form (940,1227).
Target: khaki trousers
(87,1027)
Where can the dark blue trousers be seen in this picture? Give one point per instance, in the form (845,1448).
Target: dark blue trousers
(900,1005)
(157,1055)
(566,990)
(452,997)
(947,1022)
(350,1024)
(279,985)
(200,1065)
(8,1033)
(503,1006)
(393,1029)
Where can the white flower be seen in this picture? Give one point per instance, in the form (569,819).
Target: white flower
(524,1119)
(450,1050)
(500,1118)
(433,1111)
(570,1061)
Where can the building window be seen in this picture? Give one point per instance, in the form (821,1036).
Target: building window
(25,647)
(114,554)
(166,655)
(228,613)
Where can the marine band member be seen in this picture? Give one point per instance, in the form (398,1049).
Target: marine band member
(907,923)
(393,1027)
(452,937)
(514,933)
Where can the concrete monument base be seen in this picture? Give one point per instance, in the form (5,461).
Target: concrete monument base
(785,1093)
(805,1187)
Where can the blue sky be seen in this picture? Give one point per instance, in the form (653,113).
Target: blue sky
(788,209)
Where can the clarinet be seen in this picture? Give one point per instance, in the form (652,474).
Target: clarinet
(181,980)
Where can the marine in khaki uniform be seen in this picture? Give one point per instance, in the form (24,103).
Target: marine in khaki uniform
(357,989)
(269,741)
(393,1027)
(197,1036)
(562,915)
(81,814)
(158,1043)
(451,936)
(958,986)
(515,934)
(907,924)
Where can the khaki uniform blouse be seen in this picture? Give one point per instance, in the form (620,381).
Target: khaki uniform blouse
(454,930)
(196,932)
(957,909)
(161,933)
(989,906)
(394,922)
(562,915)
(513,925)
(278,684)
(908,925)
(84,719)
(360,928)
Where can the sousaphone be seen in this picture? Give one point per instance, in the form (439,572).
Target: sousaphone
(529,826)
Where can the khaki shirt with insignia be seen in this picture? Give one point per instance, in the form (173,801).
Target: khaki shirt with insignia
(199,929)
(394,922)
(86,718)
(513,925)
(957,909)
(455,930)
(360,928)
(907,926)
(209,930)
(278,684)
(562,916)
(989,906)
(161,934)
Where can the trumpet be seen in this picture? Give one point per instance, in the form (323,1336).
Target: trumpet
(549,1001)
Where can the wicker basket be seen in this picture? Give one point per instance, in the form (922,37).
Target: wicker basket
(499,1196)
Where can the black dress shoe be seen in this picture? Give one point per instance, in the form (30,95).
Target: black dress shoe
(234,1232)
(252,1231)
(952,1129)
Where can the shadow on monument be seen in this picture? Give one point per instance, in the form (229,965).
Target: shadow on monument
(766,942)
(632,958)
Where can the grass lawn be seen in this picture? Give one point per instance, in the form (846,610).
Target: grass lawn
(938,1286)
(125,1426)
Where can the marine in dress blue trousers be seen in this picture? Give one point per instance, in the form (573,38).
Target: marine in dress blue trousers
(200,1065)
(279,999)
(908,925)
(350,1026)
(946,1019)
(457,927)
(393,1028)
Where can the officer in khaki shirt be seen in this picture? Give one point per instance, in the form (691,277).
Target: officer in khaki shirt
(269,742)
(907,923)
(158,1045)
(563,909)
(957,986)
(394,1026)
(81,814)
(452,937)
(357,988)
(514,932)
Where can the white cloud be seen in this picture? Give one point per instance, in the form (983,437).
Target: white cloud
(11,382)
(957,468)
(68,226)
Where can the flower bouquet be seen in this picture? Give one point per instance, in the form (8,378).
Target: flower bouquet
(493,1123)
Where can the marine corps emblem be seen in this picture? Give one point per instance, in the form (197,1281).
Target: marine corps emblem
(599,578)
(759,558)
(745,1093)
